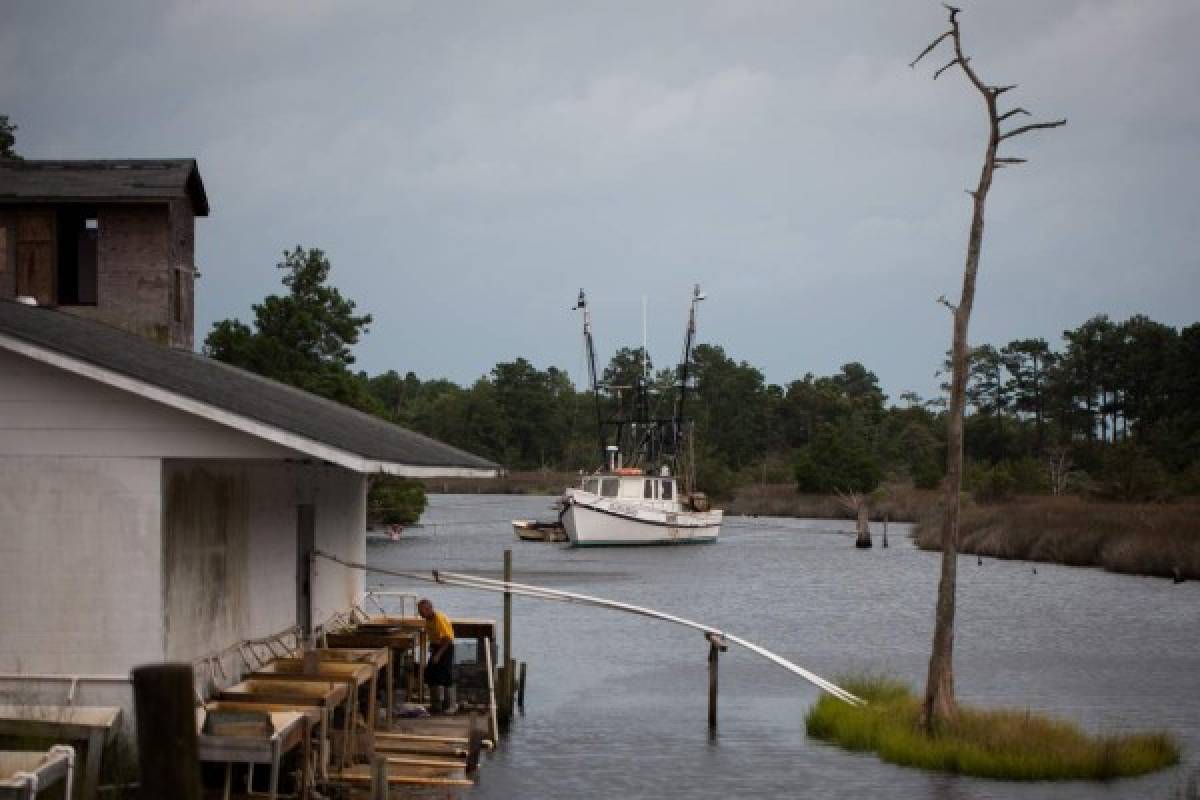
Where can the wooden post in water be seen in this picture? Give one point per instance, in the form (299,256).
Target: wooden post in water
(506,685)
(521,689)
(885,522)
(379,778)
(165,708)
(716,646)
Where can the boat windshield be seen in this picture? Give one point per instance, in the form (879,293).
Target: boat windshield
(609,487)
(592,485)
(666,490)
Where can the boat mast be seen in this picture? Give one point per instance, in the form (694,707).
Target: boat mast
(689,341)
(581,305)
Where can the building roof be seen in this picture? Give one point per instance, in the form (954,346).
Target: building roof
(103,181)
(231,396)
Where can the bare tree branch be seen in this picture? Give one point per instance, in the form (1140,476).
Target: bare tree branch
(937,74)
(999,90)
(942,299)
(1032,127)
(928,49)
(1002,161)
(1008,114)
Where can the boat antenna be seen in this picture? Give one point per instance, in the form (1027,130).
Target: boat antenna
(581,305)
(645,354)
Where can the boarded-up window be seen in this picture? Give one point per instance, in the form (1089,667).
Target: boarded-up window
(35,256)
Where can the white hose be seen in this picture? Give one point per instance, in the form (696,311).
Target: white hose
(542,593)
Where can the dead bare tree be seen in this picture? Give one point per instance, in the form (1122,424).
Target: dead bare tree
(857,504)
(939,685)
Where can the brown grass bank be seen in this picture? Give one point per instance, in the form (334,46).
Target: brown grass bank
(900,504)
(1138,539)
(532,482)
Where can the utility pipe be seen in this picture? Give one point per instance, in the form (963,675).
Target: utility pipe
(489,584)
(526,590)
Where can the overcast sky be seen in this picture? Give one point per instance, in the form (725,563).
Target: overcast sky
(469,166)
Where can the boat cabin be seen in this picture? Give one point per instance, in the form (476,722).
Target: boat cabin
(642,487)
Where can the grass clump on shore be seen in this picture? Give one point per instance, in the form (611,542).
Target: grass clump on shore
(1003,745)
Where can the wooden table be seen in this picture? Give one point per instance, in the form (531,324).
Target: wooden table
(294,695)
(90,724)
(479,629)
(396,641)
(291,731)
(46,768)
(381,657)
(354,675)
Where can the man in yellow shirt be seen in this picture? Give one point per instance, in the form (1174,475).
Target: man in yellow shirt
(439,670)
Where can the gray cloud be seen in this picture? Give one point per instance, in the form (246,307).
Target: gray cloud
(469,166)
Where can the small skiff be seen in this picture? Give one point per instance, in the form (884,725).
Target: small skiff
(529,530)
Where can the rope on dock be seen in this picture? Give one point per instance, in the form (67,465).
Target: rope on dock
(541,593)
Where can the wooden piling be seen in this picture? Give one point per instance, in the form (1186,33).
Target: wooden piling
(885,524)
(493,723)
(512,685)
(164,706)
(521,689)
(379,778)
(716,645)
(506,685)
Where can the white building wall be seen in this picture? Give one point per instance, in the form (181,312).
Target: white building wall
(80,564)
(86,552)
(230,548)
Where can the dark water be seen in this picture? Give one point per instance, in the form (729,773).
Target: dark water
(616,704)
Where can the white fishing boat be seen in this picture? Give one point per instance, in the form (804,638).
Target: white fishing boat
(628,507)
(640,496)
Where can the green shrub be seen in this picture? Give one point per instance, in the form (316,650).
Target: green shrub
(1005,745)
(1129,473)
(1030,476)
(714,477)
(989,483)
(395,501)
(840,458)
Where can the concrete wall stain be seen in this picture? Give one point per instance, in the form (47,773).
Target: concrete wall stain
(204,559)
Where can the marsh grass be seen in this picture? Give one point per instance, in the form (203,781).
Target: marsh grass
(1003,745)
(899,503)
(1134,538)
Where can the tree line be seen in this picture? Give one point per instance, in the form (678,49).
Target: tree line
(1112,410)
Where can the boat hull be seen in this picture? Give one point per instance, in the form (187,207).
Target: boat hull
(528,530)
(607,525)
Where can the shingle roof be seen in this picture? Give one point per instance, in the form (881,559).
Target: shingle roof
(230,389)
(117,180)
